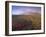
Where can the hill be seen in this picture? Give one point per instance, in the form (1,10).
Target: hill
(34,17)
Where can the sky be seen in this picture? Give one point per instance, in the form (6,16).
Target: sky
(25,10)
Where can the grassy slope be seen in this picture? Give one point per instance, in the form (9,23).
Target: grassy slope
(35,17)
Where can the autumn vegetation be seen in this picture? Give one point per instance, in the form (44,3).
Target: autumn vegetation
(26,22)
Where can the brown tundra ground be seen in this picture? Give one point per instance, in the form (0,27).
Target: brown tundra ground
(26,22)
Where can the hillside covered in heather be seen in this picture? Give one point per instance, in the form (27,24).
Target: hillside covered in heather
(26,22)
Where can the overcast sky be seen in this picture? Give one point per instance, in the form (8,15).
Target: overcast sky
(19,10)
